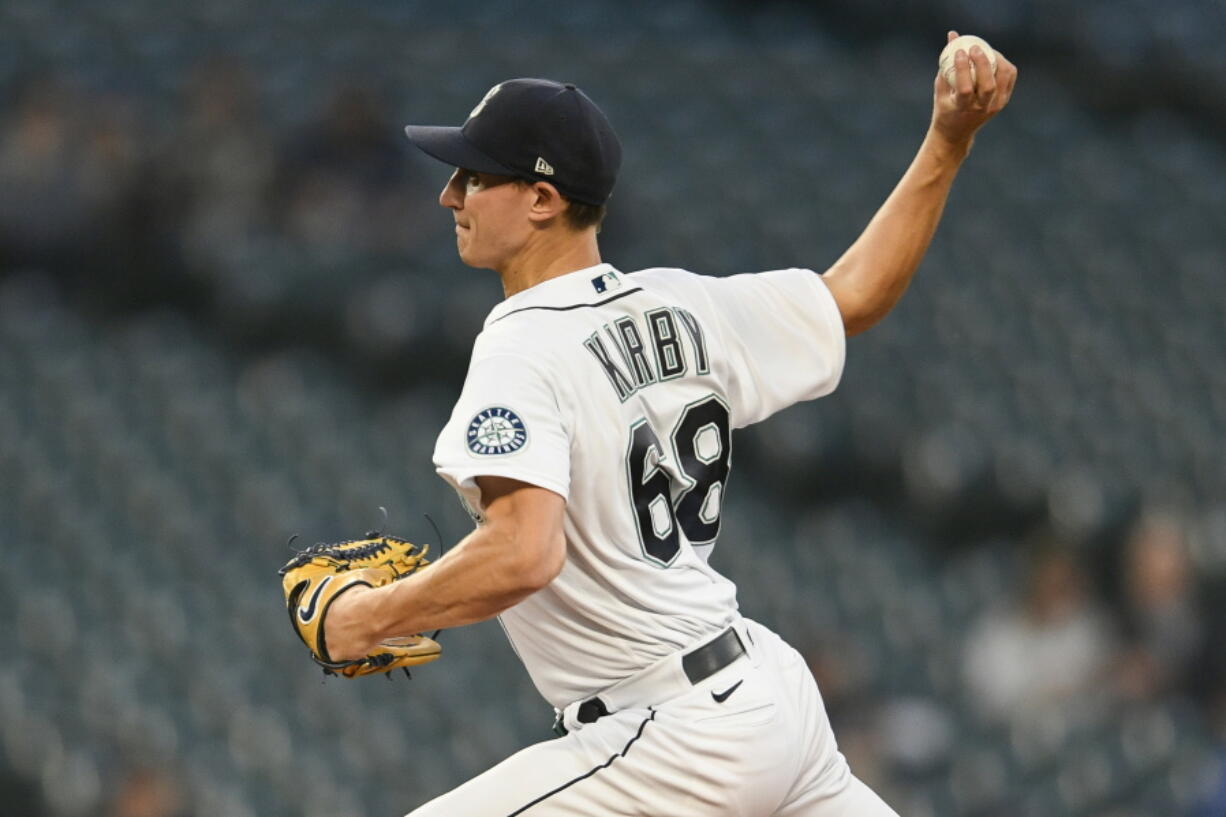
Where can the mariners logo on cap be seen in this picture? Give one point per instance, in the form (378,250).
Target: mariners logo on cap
(485,100)
(496,430)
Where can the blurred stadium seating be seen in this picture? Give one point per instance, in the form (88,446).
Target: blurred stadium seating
(226,319)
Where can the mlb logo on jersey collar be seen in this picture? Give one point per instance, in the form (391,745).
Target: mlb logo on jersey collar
(587,287)
(606,282)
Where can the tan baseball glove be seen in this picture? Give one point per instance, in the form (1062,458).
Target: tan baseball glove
(314,578)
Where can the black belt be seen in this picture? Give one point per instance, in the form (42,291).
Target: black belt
(713,656)
(697,665)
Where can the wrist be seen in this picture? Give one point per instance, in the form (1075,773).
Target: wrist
(952,151)
(349,630)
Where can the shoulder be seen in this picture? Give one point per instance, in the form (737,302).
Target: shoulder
(743,291)
(516,344)
(675,276)
(517,355)
(663,275)
(672,282)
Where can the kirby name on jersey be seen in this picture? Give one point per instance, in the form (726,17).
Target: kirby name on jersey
(661,330)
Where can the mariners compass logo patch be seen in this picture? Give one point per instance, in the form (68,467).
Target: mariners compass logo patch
(496,430)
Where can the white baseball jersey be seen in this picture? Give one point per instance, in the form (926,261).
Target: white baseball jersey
(620,392)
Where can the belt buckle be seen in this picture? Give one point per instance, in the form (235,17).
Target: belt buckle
(590,711)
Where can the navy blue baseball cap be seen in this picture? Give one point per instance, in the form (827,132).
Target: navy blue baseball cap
(535,129)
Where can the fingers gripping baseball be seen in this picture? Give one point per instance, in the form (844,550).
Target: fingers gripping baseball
(975,88)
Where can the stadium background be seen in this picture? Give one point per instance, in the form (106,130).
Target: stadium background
(230,312)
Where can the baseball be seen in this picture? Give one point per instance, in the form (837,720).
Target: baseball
(963,43)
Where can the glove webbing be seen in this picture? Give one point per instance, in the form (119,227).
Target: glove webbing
(337,551)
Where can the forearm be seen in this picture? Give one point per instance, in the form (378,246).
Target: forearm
(478,579)
(520,549)
(874,272)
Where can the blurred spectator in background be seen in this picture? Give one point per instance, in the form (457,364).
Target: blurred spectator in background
(1162,619)
(45,211)
(347,182)
(148,792)
(77,195)
(221,162)
(19,796)
(129,253)
(1043,650)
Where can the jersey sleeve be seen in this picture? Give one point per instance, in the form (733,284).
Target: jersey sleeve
(507,423)
(784,338)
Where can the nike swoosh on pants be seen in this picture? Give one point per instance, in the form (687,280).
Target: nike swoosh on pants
(720,697)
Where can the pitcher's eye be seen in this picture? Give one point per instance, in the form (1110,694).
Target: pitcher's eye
(472,182)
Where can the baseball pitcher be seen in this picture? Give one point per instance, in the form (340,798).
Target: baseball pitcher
(592,444)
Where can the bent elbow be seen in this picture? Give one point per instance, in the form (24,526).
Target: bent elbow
(860,322)
(863,302)
(858,310)
(546,562)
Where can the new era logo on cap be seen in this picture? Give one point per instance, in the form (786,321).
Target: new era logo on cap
(521,121)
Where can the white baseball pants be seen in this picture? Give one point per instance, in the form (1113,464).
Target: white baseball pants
(752,740)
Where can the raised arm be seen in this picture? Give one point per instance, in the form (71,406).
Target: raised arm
(874,272)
